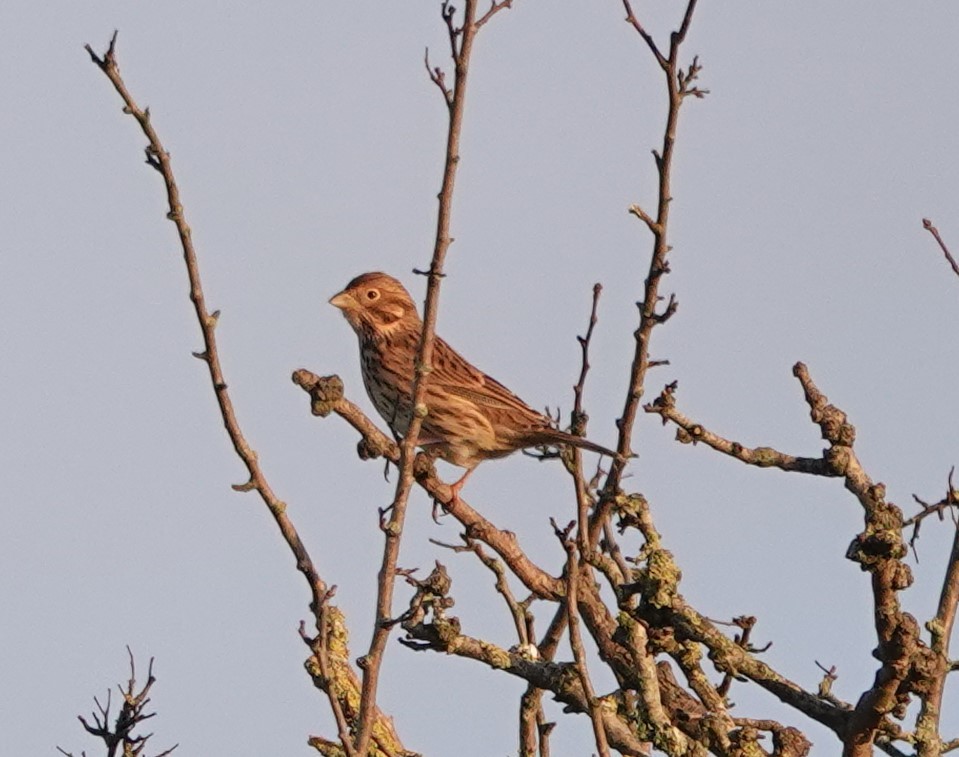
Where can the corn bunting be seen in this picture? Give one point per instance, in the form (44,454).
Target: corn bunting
(470,417)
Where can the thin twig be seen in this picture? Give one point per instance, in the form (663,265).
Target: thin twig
(578,423)
(493,10)
(927,225)
(532,717)
(517,611)
(119,737)
(948,503)
(649,315)
(461,42)
(159,159)
(940,631)
(576,641)
(647,37)
(579,416)
(611,547)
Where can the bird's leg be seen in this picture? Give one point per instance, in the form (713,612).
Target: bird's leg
(455,489)
(458,485)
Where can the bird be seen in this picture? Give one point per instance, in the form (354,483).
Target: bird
(471,417)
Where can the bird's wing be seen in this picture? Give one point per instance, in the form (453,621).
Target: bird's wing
(494,417)
(454,375)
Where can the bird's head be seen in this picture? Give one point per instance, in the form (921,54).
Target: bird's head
(376,304)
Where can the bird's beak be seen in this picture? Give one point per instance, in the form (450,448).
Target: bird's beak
(342,301)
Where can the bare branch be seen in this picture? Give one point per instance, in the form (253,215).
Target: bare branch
(461,46)
(119,737)
(159,158)
(576,641)
(517,611)
(949,502)
(691,432)
(559,678)
(643,216)
(940,630)
(680,36)
(927,225)
(439,79)
(904,659)
(579,419)
(647,37)
(658,265)
(493,10)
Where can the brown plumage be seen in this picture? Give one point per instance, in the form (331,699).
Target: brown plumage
(471,417)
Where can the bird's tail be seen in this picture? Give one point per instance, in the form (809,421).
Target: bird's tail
(555,436)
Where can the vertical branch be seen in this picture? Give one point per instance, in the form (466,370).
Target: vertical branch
(533,725)
(678,87)
(461,46)
(928,741)
(578,426)
(880,551)
(576,643)
(533,728)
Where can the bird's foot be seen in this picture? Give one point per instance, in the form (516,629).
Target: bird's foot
(439,510)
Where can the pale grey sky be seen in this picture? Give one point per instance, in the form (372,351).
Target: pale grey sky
(308,141)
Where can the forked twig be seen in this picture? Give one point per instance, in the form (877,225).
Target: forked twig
(118,736)
(517,609)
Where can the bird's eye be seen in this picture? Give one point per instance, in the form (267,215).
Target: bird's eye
(372,294)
